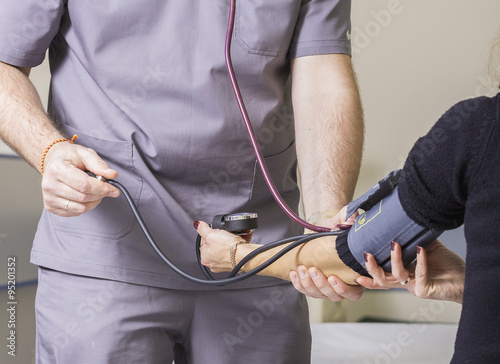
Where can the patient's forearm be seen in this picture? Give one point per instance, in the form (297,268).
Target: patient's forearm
(320,253)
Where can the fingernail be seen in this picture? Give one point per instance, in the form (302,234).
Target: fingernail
(302,274)
(365,254)
(196,224)
(393,244)
(419,249)
(333,282)
(293,278)
(313,274)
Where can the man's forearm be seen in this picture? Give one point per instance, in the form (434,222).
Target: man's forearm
(329,129)
(24,124)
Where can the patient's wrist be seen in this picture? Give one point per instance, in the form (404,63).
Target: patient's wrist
(233,250)
(242,251)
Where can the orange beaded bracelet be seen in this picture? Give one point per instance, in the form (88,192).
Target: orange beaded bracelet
(51,145)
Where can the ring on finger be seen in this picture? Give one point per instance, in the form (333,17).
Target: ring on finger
(67,204)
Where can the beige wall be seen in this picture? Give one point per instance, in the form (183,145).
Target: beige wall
(414,59)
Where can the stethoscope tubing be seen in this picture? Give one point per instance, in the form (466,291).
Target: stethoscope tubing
(251,133)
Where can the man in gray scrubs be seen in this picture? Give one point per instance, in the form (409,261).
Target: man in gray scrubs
(144,86)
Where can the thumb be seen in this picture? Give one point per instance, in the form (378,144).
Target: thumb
(93,163)
(203,228)
(348,219)
(421,277)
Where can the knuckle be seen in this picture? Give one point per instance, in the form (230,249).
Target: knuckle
(83,198)
(48,207)
(207,263)
(356,298)
(83,186)
(79,209)
(84,152)
(336,298)
(47,186)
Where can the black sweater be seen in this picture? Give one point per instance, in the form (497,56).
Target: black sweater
(452,177)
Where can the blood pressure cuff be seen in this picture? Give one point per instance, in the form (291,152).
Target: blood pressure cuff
(383,221)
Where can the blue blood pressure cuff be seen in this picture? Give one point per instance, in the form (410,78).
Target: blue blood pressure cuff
(383,221)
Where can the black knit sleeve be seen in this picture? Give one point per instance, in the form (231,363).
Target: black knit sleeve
(345,254)
(434,181)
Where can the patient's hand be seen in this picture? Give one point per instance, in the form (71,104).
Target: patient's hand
(438,274)
(215,247)
(313,283)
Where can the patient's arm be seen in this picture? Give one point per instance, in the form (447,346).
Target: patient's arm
(320,253)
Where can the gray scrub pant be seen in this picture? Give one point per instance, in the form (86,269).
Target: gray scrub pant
(83,320)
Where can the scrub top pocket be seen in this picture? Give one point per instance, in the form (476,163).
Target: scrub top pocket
(266,27)
(283,170)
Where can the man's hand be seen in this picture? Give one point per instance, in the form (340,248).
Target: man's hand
(66,189)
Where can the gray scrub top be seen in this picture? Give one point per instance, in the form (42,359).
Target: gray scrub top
(144,83)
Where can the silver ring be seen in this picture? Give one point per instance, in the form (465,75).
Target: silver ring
(404,283)
(66,207)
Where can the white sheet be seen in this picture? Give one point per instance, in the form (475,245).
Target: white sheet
(382,343)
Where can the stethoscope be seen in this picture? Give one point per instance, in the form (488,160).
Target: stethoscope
(239,223)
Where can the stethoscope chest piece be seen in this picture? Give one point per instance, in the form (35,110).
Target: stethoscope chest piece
(241,223)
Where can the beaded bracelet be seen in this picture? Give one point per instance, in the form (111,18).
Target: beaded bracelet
(51,145)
